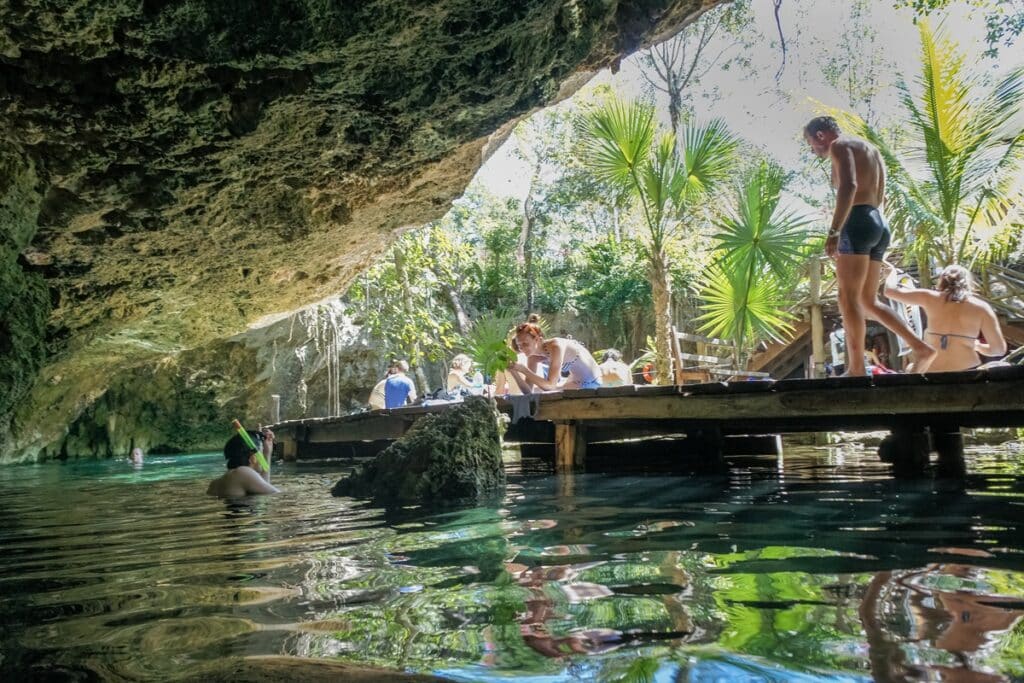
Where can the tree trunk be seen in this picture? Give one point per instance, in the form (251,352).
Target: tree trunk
(414,350)
(525,250)
(924,271)
(455,302)
(661,293)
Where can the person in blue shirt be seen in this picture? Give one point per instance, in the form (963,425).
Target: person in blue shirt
(399,389)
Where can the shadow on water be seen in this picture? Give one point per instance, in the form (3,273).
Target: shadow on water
(817,566)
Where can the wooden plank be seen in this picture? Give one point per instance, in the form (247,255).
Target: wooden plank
(626,390)
(381,427)
(698,358)
(739,373)
(696,338)
(656,390)
(570,446)
(852,401)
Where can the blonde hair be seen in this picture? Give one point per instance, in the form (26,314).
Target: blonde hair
(462,362)
(956,282)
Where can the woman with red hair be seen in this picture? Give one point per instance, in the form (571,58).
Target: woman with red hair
(562,356)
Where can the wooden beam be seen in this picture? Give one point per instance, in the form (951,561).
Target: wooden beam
(854,401)
(570,447)
(378,427)
(817,323)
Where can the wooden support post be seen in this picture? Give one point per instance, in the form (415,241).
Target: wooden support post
(677,359)
(570,447)
(948,442)
(817,323)
(289,449)
(907,449)
(275,408)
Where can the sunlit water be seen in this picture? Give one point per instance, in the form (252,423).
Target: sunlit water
(820,567)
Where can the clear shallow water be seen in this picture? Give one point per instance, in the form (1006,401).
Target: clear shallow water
(815,568)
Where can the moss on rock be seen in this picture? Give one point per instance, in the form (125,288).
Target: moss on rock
(24,301)
(444,457)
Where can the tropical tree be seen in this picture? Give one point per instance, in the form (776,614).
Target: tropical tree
(760,250)
(625,151)
(614,291)
(954,192)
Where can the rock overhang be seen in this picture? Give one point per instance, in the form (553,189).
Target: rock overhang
(195,166)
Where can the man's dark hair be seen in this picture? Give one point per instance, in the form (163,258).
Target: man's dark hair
(822,124)
(237,453)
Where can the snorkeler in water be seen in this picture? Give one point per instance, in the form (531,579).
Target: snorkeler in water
(245,475)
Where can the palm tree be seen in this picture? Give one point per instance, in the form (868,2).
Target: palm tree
(760,246)
(954,191)
(625,152)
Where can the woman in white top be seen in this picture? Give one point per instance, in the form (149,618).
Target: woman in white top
(956,319)
(458,374)
(614,373)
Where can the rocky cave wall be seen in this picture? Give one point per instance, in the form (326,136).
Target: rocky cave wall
(174,171)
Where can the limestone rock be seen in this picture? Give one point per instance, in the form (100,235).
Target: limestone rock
(444,457)
(189,167)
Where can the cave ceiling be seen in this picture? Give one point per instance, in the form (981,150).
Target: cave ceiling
(185,168)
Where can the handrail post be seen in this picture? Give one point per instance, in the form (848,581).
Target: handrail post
(817,323)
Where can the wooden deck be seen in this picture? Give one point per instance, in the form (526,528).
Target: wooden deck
(710,414)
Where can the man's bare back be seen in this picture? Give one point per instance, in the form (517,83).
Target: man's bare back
(868,169)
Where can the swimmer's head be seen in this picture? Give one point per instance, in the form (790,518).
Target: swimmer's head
(238,453)
(819,133)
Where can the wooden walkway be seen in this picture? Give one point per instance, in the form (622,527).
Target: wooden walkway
(923,413)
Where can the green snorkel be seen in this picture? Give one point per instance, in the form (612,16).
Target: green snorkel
(249,442)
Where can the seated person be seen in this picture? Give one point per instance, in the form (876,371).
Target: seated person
(956,319)
(398,388)
(244,476)
(376,399)
(563,356)
(457,375)
(614,373)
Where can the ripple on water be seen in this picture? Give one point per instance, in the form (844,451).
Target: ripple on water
(820,567)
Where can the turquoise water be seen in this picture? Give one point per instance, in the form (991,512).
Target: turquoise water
(815,567)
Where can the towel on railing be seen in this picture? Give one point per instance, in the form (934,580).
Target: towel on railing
(523,406)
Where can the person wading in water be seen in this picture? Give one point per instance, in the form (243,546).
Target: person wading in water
(858,239)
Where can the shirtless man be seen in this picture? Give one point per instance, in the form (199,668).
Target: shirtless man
(244,476)
(956,319)
(858,238)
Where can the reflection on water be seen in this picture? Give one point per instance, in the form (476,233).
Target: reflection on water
(818,567)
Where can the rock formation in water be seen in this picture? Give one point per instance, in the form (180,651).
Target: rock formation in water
(172,172)
(444,457)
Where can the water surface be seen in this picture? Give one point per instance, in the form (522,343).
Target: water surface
(815,567)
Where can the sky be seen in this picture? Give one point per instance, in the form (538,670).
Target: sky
(771,114)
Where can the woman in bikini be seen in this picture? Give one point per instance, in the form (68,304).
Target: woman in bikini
(956,319)
(561,355)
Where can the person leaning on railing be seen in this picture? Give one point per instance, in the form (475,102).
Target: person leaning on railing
(957,320)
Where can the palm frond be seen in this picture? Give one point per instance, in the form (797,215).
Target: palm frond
(708,155)
(617,137)
(487,341)
(743,309)
(756,233)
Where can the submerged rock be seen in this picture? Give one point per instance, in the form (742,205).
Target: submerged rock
(455,454)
